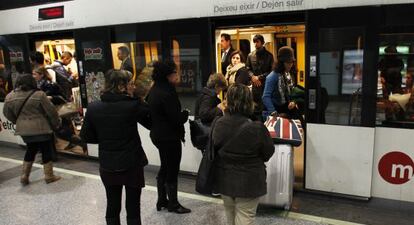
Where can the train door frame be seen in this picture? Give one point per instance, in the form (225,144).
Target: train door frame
(282,18)
(337,19)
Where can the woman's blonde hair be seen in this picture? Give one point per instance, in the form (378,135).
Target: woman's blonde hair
(239,100)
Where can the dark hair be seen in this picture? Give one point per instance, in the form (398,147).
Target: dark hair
(67,54)
(226,36)
(116,78)
(279,67)
(237,52)
(258,37)
(26,82)
(124,50)
(19,67)
(239,100)
(37,57)
(216,80)
(162,70)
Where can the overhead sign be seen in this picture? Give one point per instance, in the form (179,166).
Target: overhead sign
(51,13)
(25,3)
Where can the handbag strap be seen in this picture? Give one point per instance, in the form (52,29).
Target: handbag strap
(24,103)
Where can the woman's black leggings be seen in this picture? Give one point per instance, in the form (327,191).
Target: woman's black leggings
(132,203)
(170,156)
(45,147)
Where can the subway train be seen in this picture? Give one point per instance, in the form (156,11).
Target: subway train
(357,138)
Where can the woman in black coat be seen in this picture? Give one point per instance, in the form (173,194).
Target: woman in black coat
(112,123)
(243,147)
(208,105)
(167,132)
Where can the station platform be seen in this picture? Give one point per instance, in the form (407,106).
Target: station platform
(79,199)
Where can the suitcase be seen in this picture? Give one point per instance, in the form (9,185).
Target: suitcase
(279,178)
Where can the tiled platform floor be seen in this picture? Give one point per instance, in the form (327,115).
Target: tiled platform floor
(309,206)
(80,200)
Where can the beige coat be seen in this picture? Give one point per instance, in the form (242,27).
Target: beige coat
(38,116)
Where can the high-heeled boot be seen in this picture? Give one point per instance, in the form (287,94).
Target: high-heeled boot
(173,204)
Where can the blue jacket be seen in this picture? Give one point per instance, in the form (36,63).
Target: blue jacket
(271,96)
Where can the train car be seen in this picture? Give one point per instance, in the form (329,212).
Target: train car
(355,60)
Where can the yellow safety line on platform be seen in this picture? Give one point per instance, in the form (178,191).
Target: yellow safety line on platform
(284,214)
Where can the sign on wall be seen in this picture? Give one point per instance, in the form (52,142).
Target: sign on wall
(393,170)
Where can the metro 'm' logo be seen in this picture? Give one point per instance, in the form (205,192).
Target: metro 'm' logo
(396,168)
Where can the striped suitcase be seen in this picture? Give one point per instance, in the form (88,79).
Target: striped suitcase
(280,178)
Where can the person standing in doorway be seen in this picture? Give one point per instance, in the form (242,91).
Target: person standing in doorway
(63,77)
(226,51)
(167,133)
(124,56)
(259,63)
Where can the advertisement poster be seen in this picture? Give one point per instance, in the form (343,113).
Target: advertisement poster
(352,68)
(93,69)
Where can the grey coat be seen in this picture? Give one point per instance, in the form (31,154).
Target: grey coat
(240,170)
(38,117)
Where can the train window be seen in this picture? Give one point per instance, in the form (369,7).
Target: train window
(135,56)
(395,93)
(340,71)
(185,51)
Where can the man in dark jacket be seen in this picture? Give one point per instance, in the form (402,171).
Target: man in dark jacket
(226,50)
(124,56)
(63,78)
(259,63)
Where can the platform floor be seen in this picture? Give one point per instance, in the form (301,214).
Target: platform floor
(79,199)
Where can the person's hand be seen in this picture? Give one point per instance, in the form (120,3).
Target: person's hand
(256,82)
(291,105)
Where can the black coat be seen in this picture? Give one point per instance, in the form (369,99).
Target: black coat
(206,106)
(226,62)
(167,118)
(240,168)
(112,123)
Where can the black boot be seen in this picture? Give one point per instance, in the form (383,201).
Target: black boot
(173,204)
(133,221)
(113,221)
(162,195)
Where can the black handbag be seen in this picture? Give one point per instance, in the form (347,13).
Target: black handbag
(205,178)
(205,175)
(199,133)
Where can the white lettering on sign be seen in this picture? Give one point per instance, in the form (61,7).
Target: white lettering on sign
(44,26)
(257,6)
(403,169)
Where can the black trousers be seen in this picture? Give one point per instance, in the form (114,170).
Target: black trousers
(45,147)
(170,156)
(132,202)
